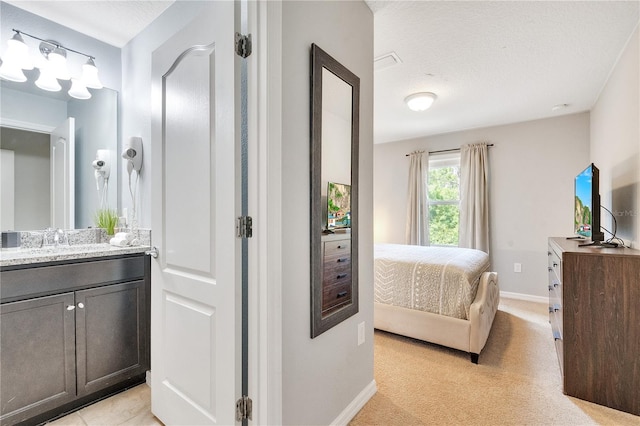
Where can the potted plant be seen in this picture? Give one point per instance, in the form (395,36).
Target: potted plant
(107,219)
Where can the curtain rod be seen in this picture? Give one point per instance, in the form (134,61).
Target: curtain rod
(446,150)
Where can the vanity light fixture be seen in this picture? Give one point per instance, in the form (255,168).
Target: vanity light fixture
(420,101)
(53,66)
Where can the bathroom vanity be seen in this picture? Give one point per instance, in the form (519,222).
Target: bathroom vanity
(74,327)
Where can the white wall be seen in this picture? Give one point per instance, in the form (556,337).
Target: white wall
(321,376)
(532,170)
(136,95)
(615,143)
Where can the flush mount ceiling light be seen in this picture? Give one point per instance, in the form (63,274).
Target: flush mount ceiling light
(420,101)
(53,66)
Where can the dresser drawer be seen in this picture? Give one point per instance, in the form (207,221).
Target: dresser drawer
(335,265)
(555,265)
(336,274)
(337,248)
(560,354)
(336,295)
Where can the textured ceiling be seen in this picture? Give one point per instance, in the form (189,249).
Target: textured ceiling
(489,62)
(114,22)
(492,63)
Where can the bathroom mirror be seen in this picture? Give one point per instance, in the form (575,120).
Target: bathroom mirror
(335,108)
(28,115)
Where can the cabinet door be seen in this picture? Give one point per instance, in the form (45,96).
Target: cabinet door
(37,353)
(111,335)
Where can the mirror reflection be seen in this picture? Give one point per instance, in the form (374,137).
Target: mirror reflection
(64,190)
(334,171)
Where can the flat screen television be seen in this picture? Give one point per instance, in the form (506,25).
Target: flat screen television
(338,206)
(587,205)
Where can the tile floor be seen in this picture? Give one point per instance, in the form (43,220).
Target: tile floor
(132,407)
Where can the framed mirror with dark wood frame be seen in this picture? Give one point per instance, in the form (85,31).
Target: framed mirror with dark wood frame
(335,111)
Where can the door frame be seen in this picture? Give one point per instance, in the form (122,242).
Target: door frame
(265,196)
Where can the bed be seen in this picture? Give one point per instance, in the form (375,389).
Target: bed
(442,295)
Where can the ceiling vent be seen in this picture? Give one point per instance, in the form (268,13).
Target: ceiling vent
(385,61)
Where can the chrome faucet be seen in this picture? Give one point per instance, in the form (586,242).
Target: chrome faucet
(57,235)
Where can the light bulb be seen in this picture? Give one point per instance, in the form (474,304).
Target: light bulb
(90,75)
(78,90)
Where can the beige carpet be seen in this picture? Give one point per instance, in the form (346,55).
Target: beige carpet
(517,381)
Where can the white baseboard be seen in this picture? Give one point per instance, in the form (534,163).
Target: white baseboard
(356,405)
(521,296)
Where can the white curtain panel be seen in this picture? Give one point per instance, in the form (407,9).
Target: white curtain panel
(474,197)
(417,230)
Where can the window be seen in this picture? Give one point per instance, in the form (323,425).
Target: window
(444,199)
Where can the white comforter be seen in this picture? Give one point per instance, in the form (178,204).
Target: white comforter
(440,280)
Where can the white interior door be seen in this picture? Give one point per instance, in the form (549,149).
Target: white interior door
(195,295)
(63,175)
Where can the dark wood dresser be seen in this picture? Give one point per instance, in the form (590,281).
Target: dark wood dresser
(594,311)
(336,272)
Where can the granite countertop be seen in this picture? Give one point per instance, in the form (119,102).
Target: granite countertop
(23,256)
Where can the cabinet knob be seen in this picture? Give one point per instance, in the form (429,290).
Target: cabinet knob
(81,305)
(555,265)
(343,259)
(342,294)
(341,276)
(70,308)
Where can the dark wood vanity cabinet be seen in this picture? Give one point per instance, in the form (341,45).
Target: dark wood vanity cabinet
(37,353)
(63,350)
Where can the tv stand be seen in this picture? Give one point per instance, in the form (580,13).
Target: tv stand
(593,293)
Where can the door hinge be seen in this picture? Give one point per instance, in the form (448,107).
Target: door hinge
(243,45)
(244,408)
(244,227)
